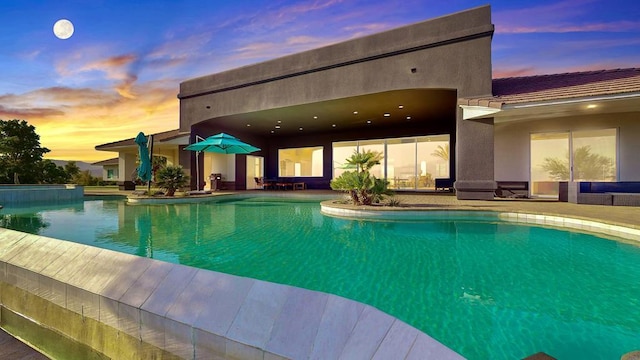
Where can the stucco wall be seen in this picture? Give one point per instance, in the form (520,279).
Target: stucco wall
(451,52)
(512,143)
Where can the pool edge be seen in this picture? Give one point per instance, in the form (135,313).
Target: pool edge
(573,223)
(166,306)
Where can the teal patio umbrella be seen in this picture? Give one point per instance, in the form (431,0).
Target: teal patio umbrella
(220,143)
(144,169)
(224,144)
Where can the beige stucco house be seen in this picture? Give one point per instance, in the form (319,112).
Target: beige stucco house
(422,94)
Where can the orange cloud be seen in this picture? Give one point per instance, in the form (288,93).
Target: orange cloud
(76,120)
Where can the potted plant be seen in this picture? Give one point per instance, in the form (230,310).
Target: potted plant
(171,178)
(362,187)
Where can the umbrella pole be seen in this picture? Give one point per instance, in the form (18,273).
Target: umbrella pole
(150,146)
(198,170)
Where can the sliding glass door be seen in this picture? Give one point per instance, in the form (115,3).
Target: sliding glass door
(588,155)
(411,163)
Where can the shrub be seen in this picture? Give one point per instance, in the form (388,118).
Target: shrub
(362,187)
(171,178)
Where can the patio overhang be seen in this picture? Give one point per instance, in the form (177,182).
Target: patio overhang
(167,139)
(557,95)
(537,110)
(389,108)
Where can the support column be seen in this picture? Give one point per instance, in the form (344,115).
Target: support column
(126,166)
(474,159)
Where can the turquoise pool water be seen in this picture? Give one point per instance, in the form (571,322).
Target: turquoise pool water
(488,289)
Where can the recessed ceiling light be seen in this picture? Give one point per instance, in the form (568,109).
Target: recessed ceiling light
(333,125)
(277,126)
(300,129)
(368,121)
(387,114)
(248,125)
(408,117)
(272,131)
(592,106)
(400,106)
(355,113)
(315,117)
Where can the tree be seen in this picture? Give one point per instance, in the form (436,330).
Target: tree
(363,188)
(441,152)
(86,179)
(50,173)
(171,178)
(586,166)
(20,152)
(71,169)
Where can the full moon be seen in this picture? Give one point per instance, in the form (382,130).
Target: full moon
(63,29)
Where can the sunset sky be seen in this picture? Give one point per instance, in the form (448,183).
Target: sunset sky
(120,71)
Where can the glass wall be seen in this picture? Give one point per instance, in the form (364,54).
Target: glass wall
(593,158)
(373,145)
(594,155)
(300,162)
(409,163)
(342,151)
(433,160)
(401,163)
(549,162)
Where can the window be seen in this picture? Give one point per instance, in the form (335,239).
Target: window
(342,151)
(297,162)
(409,163)
(401,163)
(572,156)
(594,155)
(433,160)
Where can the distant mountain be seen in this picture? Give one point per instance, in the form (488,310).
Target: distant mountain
(95,170)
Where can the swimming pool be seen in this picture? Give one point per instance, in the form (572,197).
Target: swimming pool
(487,289)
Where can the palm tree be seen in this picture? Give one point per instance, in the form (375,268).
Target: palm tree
(363,188)
(441,152)
(171,178)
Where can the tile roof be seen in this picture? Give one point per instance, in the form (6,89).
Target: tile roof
(540,88)
(112,161)
(161,136)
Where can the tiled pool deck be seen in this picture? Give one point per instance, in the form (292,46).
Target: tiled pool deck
(125,305)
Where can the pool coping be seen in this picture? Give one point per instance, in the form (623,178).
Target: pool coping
(188,312)
(215,196)
(331,208)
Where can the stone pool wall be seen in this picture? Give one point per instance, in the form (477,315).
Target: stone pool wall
(19,194)
(124,306)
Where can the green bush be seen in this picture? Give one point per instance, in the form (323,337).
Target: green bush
(171,178)
(362,187)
